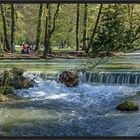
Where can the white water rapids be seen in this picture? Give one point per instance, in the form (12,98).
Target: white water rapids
(52,109)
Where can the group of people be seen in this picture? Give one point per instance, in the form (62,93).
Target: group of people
(26,48)
(63,44)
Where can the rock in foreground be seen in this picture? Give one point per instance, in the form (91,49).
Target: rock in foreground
(130,105)
(11,80)
(17,71)
(69,78)
(14,78)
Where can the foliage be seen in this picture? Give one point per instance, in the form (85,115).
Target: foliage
(112,34)
(116,31)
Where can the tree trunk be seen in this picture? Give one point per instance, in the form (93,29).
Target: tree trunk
(47,38)
(39,27)
(6,42)
(12,27)
(77,28)
(53,24)
(85,26)
(95,28)
(49,31)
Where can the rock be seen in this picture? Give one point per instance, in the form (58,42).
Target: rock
(17,71)
(1,80)
(11,80)
(6,74)
(14,78)
(129,105)
(69,78)
(3,98)
(26,83)
(20,82)
(8,90)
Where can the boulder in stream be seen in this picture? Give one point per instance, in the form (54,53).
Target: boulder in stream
(3,98)
(1,80)
(17,71)
(8,90)
(69,78)
(129,105)
(20,82)
(12,79)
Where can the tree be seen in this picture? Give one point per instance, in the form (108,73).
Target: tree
(39,26)
(12,27)
(94,29)
(47,37)
(112,34)
(77,28)
(85,26)
(48,30)
(6,42)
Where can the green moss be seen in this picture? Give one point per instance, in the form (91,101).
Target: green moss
(12,79)
(3,98)
(129,105)
(8,90)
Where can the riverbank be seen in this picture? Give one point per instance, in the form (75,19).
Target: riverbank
(56,54)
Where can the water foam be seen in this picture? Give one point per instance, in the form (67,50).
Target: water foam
(84,94)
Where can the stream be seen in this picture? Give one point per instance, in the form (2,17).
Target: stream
(89,109)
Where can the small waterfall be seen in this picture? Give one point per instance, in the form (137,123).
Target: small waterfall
(111,77)
(97,77)
(45,76)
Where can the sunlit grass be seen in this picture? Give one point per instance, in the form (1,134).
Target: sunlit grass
(18,49)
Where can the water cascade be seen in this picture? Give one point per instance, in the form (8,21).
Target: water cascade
(44,76)
(98,77)
(112,77)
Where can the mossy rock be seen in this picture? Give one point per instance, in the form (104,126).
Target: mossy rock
(1,55)
(69,78)
(17,71)
(129,105)
(20,82)
(3,98)
(11,80)
(1,80)
(8,90)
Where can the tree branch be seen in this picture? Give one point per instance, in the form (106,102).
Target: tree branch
(95,28)
(54,18)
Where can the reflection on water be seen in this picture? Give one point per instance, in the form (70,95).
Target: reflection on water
(126,62)
(42,65)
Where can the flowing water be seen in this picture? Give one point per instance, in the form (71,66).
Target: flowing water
(52,109)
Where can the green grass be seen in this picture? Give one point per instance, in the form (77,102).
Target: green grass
(18,49)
